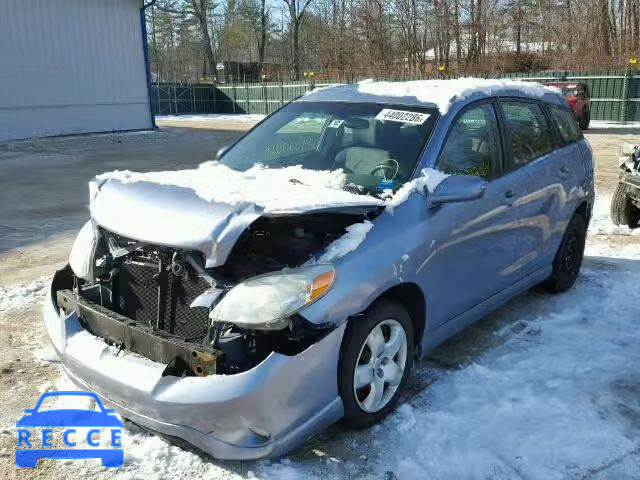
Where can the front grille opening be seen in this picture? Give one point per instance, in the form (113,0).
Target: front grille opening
(150,292)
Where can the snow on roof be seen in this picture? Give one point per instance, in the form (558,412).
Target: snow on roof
(274,189)
(439,93)
(443,92)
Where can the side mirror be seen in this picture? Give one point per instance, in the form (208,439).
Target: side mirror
(221,151)
(457,188)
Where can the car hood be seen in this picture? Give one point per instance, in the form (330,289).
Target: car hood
(177,216)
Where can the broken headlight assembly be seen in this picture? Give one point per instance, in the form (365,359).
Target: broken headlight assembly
(267,301)
(82,252)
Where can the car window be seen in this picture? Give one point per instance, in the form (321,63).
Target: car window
(565,123)
(528,129)
(473,144)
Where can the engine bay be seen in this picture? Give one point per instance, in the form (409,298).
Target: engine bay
(155,300)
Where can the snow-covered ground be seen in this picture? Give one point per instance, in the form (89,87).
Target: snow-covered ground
(22,295)
(606,124)
(546,388)
(213,117)
(601,222)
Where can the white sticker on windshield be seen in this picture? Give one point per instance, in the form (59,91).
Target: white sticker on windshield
(402,116)
(336,123)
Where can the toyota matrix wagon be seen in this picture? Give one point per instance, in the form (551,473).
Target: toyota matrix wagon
(248,303)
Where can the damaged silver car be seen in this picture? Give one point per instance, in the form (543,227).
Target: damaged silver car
(247,304)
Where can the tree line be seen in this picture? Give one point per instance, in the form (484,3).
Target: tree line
(346,40)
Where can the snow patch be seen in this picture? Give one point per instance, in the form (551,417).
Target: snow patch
(430,179)
(21,296)
(239,118)
(273,189)
(347,243)
(601,223)
(603,124)
(46,355)
(443,92)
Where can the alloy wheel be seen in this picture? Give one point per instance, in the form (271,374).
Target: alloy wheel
(381,364)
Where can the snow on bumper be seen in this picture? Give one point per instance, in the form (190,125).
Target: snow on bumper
(262,412)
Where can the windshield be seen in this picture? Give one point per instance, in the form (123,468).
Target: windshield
(377,146)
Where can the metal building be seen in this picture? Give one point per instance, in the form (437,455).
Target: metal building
(72,66)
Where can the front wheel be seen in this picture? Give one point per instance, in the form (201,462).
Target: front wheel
(568,259)
(375,361)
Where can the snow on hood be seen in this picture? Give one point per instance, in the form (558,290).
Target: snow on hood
(281,190)
(443,92)
(207,208)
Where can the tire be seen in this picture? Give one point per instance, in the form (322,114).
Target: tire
(623,212)
(568,259)
(363,407)
(585,118)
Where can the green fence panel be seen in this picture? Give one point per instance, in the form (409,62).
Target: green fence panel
(615,94)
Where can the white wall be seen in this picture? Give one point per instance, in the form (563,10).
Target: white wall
(71,66)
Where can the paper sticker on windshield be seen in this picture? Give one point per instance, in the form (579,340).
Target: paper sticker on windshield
(402,116)
(336,123)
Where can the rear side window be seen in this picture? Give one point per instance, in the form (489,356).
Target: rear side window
(566,124)
(528,130)
(473,144)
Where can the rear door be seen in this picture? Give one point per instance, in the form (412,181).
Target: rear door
(540,173)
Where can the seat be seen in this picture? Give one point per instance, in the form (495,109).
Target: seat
(363,158)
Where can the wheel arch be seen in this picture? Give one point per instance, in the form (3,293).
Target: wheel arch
(410,296)
(584,209)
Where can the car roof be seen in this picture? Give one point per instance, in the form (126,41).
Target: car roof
(440,94)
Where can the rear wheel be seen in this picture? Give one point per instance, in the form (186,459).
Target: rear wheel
(623,211)
(375,361)
(568,259)
(584,120)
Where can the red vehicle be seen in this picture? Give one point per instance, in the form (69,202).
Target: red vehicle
(577,96)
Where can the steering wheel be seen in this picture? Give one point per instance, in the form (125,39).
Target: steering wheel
(386,166)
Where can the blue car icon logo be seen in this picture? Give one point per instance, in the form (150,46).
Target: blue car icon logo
(104,418)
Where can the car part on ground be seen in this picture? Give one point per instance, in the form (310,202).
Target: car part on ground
(625,201)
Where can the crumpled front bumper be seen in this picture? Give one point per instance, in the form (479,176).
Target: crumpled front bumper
(263,412)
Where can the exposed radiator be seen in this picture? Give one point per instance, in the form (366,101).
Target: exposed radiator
(147,292)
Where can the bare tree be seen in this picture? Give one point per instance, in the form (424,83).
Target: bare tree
(258,15)
(297,9)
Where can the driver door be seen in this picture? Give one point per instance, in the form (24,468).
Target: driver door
(473,243)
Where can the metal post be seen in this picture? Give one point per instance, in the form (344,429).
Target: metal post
(281,92)
(193,95)
(625,96)
(235,98)
(264,96)
(215,106)
(246,97)
(175,99)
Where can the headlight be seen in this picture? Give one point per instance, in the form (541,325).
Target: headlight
(82,252)
(265,302)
